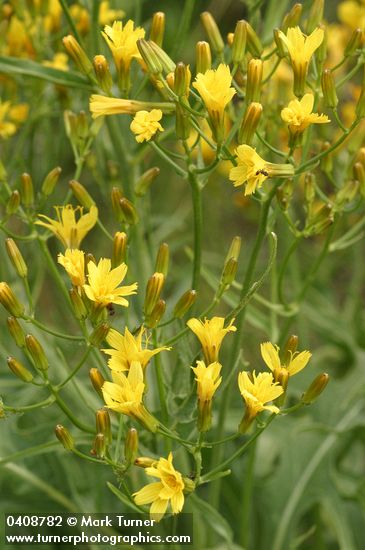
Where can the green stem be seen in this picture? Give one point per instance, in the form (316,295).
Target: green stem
(70,21)
(238,453)
(54,332)
(54,270)
(198,227)
(161,386)
(68,412)
(247,497)
(75,370)
(167,159)
(265,208)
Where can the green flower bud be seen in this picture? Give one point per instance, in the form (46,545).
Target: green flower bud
(64,436)
(19,370)
(36,352)
(184,303)
(50,181)
(316,388)
(97,380)
(212,31)
(16,258)
(10,301)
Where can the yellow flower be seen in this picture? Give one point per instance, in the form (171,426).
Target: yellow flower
(214,86)
(59,61)
(107,15)
(298,114)
(74,263)
(169,490)
(7,128)
(122,42)
(101,105)
(125,394)
(352,13)
(103,284)
(301,48)
(257,390)
(210,333)
(69,231)
(128,348)
(297,362)
(81,18)
(145,124)
(254,170)
(208,379)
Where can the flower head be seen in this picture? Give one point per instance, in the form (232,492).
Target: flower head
(296,363)
(254,170)
(74,263)
(66,228)
(125,394)
(208,379)
(128,348)
(298,114)
(101,105)
(214,87)
(145,124)
(122,41)
(257,390)
(169,490)
(301,48)
(103,284)
(210,333)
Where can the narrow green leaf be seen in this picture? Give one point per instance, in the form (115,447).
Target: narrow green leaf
(27,67)
(123,498)
(216,521)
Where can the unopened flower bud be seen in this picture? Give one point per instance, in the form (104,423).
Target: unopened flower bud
(254,79)
(280,49)
(149,56)
(229,272)
(203,57)
(182,79)
(50,181)
(78,304)
(328,89)
(162,260)
(129,211)
(10,301)
(360,106)
(234,249)
(354,43)
(100,446)
(145,181)
(359,175)
(36,352)
(99,334)
(119,248)
(64,436)
(315,15)
(81,194)
(16,331)
(184,303)
(157,28)
(250,123)
(27,190)
(144,461)
(168,65)
(116,196)
(316,388)
(13,203)
(212,31)
(102,73)
(309,187)
(253,42)
(239,42)
(290,348)
(77,54)
(153,291)
(97,380)
(360,157)
(19,370)
(292,18)
(16,258)
(347,193)
(189,485)
(182,126)
(131,446)
(319,221)
(156,314)
(103,424)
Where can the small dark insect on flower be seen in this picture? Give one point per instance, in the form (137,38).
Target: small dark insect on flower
(263,172)
(110,309)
